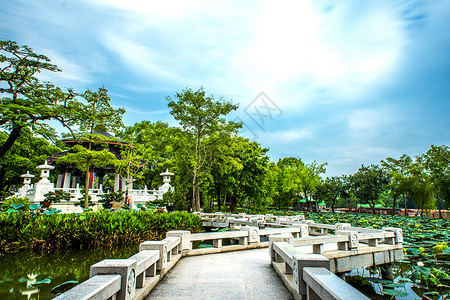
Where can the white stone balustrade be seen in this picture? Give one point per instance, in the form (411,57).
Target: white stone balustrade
(96,287)
(322,284)
(145,265)
(305,274)
(126,268)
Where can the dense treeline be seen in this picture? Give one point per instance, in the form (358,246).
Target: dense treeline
(215,167)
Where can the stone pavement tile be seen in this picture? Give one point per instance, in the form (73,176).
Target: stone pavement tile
(270,296)
(160,293)
(266,288)
(221,279)
(176,286)
(179,278)
(219,291)
(232,275)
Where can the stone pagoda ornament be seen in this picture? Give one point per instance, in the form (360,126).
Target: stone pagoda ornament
(44,185)
(166,180)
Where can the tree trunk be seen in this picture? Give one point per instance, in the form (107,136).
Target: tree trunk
(86,185)
(421,211)
(393,206)
(13,136)
(439,206)
(373,209)
(232,203)
(218,196)
(183,197)
(404,201)
(194,187)
(198,198)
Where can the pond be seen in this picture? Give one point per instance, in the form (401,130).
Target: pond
(32,276)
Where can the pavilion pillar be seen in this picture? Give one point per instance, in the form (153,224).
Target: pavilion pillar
(75,180)
(60,180)
(118,183)
(67,176)
(91,179)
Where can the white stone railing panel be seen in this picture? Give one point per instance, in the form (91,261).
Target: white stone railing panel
(96,287)
(322,284)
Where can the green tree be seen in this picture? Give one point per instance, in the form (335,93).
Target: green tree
(368,183)
(130,165)
(310,179)
(421,188)
(25,155)
(289,183)
(26,102)
(200,117)
(437,164)
(245,176)
(329,190)
(400,177)
(158,141)
(96,114)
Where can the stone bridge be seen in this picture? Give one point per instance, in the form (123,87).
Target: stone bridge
(304,260)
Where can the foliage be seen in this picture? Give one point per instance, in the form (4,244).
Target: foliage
(158,141)
(200,117)
(57,196)
(425,246)
(130,164)
(399,171)
(111,197)
(436,162)
(7,203)
(295,179)
(329,190)
(239,172)
(43,232)
(26,102)
(96,114)
(368,184)
(26,154)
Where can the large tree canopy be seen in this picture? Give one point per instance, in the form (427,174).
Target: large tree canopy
(25,101)
(96,113)
(201,117)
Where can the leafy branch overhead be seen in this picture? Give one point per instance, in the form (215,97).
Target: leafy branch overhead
(27,102)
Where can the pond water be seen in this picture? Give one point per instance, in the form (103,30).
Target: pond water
(20,274)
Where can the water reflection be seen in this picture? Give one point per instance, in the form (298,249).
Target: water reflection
(31,276)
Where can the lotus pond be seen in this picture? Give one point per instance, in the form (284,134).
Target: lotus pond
(425,270)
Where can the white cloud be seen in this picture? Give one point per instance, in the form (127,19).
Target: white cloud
(72,73)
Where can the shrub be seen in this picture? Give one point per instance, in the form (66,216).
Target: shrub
(6,204)
(20,231)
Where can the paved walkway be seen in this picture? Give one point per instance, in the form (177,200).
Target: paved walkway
(232,275)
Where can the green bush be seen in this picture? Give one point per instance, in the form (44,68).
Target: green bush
(20,231)
(6,204)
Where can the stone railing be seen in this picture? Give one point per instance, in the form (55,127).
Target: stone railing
(234,221)
(349,248)
(24,194)
(131,278)
(292,249)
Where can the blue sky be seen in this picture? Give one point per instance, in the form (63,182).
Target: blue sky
(346,82)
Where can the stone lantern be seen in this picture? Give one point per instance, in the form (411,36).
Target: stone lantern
(44,185)
(45,172)
(26,181)
(166,180)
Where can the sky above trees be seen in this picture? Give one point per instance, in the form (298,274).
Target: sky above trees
(348,82)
